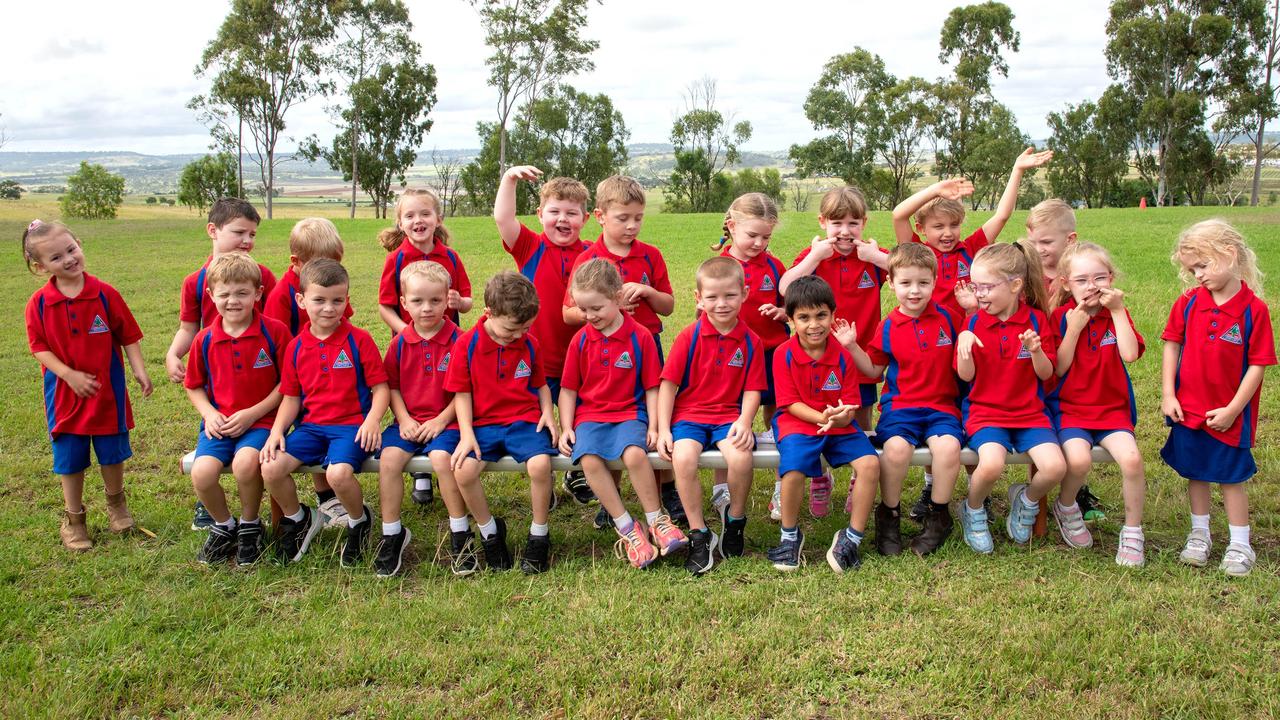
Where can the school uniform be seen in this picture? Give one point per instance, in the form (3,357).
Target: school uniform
(389,286)
(644,265)
(282,303)
(416,368)
(548,266)
(921,396)
(1095,398)
(1005,402)
(953,268)
(611,374)
(197,307)
(711,372)
(763,274)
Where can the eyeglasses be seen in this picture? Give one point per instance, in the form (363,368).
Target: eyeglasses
(1096,280)
(984,289)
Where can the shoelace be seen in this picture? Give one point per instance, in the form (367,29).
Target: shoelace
(663,525)
(631,539)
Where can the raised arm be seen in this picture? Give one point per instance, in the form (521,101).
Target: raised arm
(952,188)
(504,205)
(1009,200)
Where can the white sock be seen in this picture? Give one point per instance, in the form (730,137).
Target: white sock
(391,528)
(297,517)
(421,483)
(254,521)
(928,479)
(651,517)
(537,530)
(353,521)
(461,524)
(1199,522)
(489,529)
(1239,534)
(1027,501)
(230,523)
(1135,532)
(718,487)
(1073,507)
(623,521)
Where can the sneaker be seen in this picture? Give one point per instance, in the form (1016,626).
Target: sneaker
(1238,560)
(843,553)
(219,547)
(1131,550)
(702,551)
(977,531)
(386,563)
(775,504)
(462,553)
(357,538)
(296,535)
(202,520)
(1021,516)
(820,495)
(888,530)
(666,536)
(671,503)
(602,520)
(425,495)
(920,509)
(634,547)
(1071,525)
(937,528)
(734,542)
(333,513)
(496,553)
(1196,551)
(1090,507)
(720,503)
(765,438)
(249,543)
(787,555)
(537,555)
(575,482)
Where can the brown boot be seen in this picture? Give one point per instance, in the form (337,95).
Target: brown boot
(118,517)
(888,530)
(75,534)
(937,528)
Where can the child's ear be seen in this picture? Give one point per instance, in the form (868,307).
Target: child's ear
(598,214)
(296,264)
(257,295)
(297,298)
(1071,237)
(211,230)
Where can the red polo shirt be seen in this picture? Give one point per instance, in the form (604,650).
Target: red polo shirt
(798,378)
(917,354)
(953,267)
(238,372)
(1219,343)
(197,306)
(856,284)
(712,371)
(389,287)
(1096,393)
(282,303)
(611,373)
(1006,392)
(333,376)
(86,333)
(416,366)
(503,379)
(548,266)
(763,273)
(644,264)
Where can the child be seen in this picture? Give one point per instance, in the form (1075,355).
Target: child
(1093,402)
(814,420)
(709,395)
(608,411)
(76,327)
(233,380)
(546,259)
(1218,343)
(504,408)
(1006,351)
(920,404)
(419,234)
(232,226)
(416,362)
(334,384)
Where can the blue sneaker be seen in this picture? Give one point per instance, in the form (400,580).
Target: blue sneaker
(977,533)
(1021,516)
(787,555)
(843,553)
(202,519)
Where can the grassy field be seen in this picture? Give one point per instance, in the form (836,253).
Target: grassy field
(137,628)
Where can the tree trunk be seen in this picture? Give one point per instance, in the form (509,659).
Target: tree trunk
(271,180)
(1270,59)
(1162,176)
(240,156)
(355,159)
(502,148)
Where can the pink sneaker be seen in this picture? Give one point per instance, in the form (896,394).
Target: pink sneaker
(1071,525)
(820,495)
(635,547)
(666,536)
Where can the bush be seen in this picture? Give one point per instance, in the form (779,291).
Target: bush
(152,200)
(92,193)
(10,190)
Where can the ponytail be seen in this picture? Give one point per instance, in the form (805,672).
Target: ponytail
(1033,289)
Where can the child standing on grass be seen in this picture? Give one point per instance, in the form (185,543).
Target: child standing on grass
(1093,403)
(77,326)
(1218,342)
(419,234)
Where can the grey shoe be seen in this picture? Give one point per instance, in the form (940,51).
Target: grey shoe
(1196,551)
(1238,560)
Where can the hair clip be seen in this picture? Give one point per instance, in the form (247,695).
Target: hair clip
(35,224)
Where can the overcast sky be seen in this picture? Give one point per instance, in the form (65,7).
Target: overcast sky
(117,76)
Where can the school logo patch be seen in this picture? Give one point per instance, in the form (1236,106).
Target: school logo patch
(263,360)
(343,362)
(624,361)
(1232,335)
(444,363)
(832,383)
(98,326)
(1108,338)
(1024,354)
(767,285)
(644,278)
(866,281)
(522,370)
(738,359)
(962,270)
(943,338)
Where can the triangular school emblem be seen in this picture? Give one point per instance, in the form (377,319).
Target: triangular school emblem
(98,326)
(644,278)
(738,359)
(1108,338)
(343,362)
(522,370)
(943,338)
(962,270)
(767,285)
(444,363)
(1023,353)
(624,361)
(1232,335)
(866,281)
(832,383)
(263,360)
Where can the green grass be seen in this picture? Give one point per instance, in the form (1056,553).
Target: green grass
(137,628)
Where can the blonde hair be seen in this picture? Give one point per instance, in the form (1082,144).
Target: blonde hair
(912,255)
(946,207)
(618,189)
(564,188)
(1016,260)
(1055,213)
(313,238)
(599,275)
(1061,289)
(1215,240)
(427,270)
(393,236)
(38,229)
(751,206)
(843,202)
(720,268)
(233,267)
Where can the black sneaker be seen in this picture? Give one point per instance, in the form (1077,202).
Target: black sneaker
(786,556)
(602,520)
(1090,506)
(390,553)
(843,553)
(249,540)
(296,535)
(219,547)
(202,520)
(734,541)
(671,503)
(702,551)
(357,538)
(921,506)
(888,530)
(462,551)
(427,494)
(575,482)
(496,553)
(537,555)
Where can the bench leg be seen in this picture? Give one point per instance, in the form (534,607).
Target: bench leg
(1041,526)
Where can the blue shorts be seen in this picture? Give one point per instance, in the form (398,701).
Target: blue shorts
(608,440)
(71,451)
(553,384)
(1013,439)
(326,445)
(769,397)
(804,453)
(520,440)
(917,425)
(706,434)
(447,441)
(867,395)
(226,448)
(1093,436)
(1197,455)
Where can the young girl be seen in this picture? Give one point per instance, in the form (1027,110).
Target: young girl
(76,325)
(1092,403)
(1006,352)
(419,234)
(1218,339)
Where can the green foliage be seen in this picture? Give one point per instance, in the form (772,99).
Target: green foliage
(206,180)
(706,143)
(93,193)
(848,102)
(10,190)
(994,146)
(909,117)
(1088,160)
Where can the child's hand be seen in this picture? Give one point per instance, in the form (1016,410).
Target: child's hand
(409,430)
(523,172)
(846,332)
(965,297)
(174,366)
(867,249)
(466,446)
(953,188)
(567,438)
(773,312)
(1220,419)
(634,292)
(83,384)
(665,445)
(1171,408)
(368,436)
(822,248)
(545,421)
(1111,299)
(965,343)
(1077,319)
(740,435)
(273,447)
(1032,159)
(651,438)
(144,383)
(837,416)
(237,423)
(213,422)
(1030,340)
(430,429)
(455,300)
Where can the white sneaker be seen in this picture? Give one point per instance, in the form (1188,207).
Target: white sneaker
(775,505)
(332,513)
(1238,560)
(1196,551)
(1131,551)
(765,438)
(720,501)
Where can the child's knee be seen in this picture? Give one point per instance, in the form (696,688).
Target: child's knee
(539,468)
(341,476)
(867,468)
(246,464)
(1052,467)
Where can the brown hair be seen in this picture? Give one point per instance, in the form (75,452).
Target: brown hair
(313,238)
(1213,240)
(1016,260)
(324,272)
(912,255)
(946,207)
(599,275)
(1061,287)
(1055,213)
(618,189)
(843,202)
(234,267)
(564,188)
(720,268)
(751,206)
(393,236)
(428,270)
(510,294)
(38,229)
(226,209)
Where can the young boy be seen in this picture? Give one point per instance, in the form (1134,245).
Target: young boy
(416,362)
(915,343)
(546,259)
(503,406)
(813,377)
(334,382)
(233,380)
(709,395)
(232,227)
